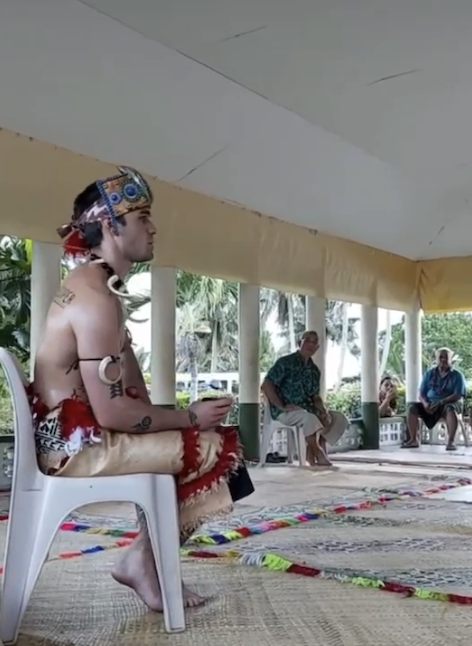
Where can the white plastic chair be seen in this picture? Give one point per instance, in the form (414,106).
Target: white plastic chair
(39,504)
(441,426)
(294,436)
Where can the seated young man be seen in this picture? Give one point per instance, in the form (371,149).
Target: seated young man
(92,413)
(292,387)
(441,395)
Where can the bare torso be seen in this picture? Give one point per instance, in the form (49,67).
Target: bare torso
(56,371)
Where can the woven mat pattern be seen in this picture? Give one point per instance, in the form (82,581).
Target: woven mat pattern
(421,543)
(77,603)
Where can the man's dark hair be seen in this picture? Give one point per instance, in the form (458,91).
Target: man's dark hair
(92,232)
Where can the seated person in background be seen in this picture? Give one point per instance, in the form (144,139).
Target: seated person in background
(441,395)
(292,387)
(387,397)
(91,409)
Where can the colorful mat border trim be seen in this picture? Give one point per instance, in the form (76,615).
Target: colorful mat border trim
(239,533)
(276,563)
(88,551)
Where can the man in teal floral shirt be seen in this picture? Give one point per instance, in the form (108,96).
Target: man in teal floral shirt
(292,387)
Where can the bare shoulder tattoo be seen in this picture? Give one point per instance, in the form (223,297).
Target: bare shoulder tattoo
(64,297)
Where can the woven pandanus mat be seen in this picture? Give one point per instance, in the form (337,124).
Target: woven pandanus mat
(77,603)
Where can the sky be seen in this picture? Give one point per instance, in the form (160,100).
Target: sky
(141,332)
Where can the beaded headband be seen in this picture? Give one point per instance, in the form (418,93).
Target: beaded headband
(119,195)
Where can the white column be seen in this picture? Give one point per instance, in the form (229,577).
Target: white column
(370,377)
(413,354)
(249,372)
(163,292)
(369,354)
(315,319)
(45,282)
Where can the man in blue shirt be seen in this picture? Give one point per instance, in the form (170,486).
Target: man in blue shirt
(292,387)
(441,395)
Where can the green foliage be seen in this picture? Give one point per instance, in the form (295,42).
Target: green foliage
(347,400)
(15,295)
(438,330)
(291,310)
(6,409)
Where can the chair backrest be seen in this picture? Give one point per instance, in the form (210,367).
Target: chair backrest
(25,466)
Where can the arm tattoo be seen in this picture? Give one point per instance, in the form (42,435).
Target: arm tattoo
(64,297)
(116,390)
(193,418)
(143,426)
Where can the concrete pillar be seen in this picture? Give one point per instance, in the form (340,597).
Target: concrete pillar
(249,375)
(315,319)
(45,283)
(369,376)
(163,314)
(413,355)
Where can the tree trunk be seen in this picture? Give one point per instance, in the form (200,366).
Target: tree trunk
(214,349)
(344,338)
(291,324)
(194,377)
(386,348)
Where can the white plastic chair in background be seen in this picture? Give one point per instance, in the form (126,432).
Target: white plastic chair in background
(463,430)
(441,426)
(295,438)
(39,504)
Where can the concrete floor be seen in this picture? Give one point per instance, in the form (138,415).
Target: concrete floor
(425,456)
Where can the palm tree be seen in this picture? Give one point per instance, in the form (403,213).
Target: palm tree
(290,314)
(15,294)
(344,344)
(192,333)
(218,306)
(290,309)
(395,362)
(386,345)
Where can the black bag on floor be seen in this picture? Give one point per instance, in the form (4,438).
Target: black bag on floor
(240,483)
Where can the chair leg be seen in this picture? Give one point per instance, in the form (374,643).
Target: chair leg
(291,443)
(164,533)
(301,444)
(266,438)
(464,432)
(29,539)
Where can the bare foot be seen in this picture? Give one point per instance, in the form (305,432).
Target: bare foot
(322,459)
(137,571)
(191,599)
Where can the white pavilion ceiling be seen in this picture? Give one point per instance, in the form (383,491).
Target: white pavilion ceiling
(351,117)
